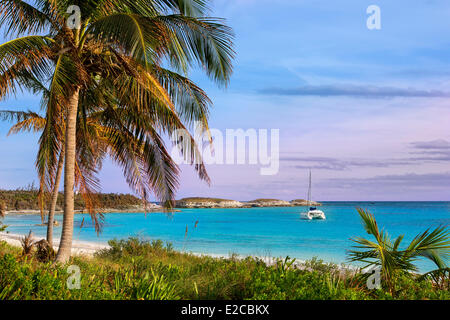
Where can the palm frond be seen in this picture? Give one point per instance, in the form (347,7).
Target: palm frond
(207,41)
(21,17)
(25,121)
(433,245)
(22,58)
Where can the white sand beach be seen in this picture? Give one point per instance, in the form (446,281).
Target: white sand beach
(89,248)
(78,247)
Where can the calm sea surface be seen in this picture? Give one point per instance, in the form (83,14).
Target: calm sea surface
(274,232)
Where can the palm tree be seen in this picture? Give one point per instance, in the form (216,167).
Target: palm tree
(2,209)
(385,253)
(91,133)
(31,121)
(2,215)
(115,57)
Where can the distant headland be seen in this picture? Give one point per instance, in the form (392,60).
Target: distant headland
(26,202)
(199,202)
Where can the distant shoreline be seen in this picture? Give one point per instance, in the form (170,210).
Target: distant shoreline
(105,211)
(208,206)
(204,202)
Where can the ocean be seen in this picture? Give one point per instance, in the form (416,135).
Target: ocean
(264,232)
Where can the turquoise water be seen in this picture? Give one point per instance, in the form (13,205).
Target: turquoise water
(274,232)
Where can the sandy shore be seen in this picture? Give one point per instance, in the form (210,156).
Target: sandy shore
(89,248)
(78,247)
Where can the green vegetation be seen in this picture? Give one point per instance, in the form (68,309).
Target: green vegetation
(385,253)
(138,269)
(265,200)
(200,199)
(142,269)
(27,199)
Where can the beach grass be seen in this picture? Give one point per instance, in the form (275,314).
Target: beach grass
(142,269)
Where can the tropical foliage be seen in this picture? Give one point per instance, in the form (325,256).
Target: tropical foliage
(433,245)
(140,269)
(94,143)
(25,199)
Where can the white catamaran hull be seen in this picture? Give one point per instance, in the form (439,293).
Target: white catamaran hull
(313,214)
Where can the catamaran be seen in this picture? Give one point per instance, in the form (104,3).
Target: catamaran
(313,212)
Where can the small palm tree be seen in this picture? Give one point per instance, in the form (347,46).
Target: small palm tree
(385,253)
(27,243)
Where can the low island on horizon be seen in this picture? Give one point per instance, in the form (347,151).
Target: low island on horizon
(26,202)
(205,202)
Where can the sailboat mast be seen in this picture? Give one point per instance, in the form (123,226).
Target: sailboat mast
(309,189)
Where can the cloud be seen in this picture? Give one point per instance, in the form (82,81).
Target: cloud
(440,144)
(355,91)
(432,158)
(328,163)
(435,150)
(409,180)
(424,151)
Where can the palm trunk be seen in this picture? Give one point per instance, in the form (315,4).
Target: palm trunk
(55,192)
(65,245)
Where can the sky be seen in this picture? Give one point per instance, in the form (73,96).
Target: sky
(367,111)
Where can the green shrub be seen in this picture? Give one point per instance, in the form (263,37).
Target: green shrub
(156,289)
(133,247)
